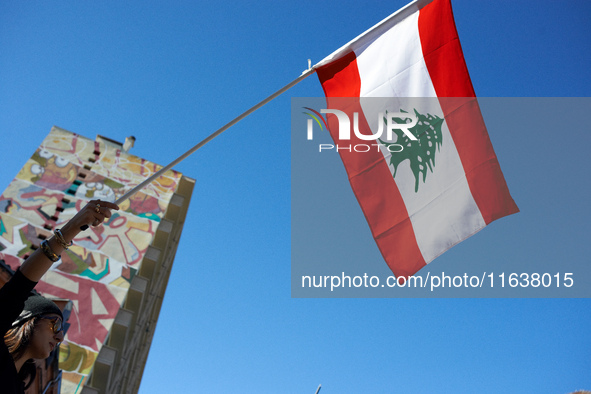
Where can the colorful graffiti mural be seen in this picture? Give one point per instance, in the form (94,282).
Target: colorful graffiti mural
(112,163)
(96,272)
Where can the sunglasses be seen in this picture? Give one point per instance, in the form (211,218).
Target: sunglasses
(56,323)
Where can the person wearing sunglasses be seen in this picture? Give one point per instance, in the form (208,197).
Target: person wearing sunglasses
(32,325)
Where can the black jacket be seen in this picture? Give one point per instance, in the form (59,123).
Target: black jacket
(12,301)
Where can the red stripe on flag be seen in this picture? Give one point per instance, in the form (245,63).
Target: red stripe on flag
(368,172)
(442,51)
(341,77)
(447,68)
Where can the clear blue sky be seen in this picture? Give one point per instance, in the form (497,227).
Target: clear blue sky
(170,73)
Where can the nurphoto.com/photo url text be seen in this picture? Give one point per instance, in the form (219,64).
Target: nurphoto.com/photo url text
(434,282)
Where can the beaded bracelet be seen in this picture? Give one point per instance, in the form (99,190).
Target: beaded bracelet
(48,252)
(61,240)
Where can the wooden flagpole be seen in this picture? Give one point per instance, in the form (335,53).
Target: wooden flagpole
(150,179)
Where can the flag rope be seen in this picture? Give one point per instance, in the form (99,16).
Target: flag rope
(150,179)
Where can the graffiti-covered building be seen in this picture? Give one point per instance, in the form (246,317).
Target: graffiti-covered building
(115,275)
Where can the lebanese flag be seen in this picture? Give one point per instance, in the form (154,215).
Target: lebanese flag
(416,53)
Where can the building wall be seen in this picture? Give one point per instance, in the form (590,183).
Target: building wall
(116,274)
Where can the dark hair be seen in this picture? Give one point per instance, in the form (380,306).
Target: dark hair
(17,340)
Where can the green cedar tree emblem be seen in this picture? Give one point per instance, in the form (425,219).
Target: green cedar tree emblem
(420,153)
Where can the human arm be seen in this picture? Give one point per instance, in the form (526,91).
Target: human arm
(38,263)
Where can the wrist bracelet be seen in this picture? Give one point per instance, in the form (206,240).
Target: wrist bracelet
(48,252)
(60,239)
